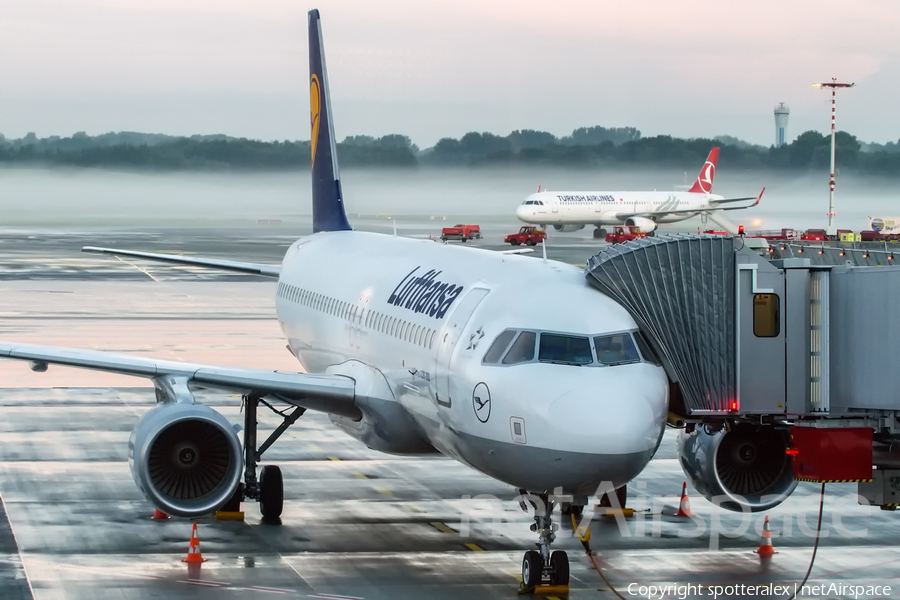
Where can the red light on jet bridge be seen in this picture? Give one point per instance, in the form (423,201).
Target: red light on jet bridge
(792,452)
(740,230)
(733,406)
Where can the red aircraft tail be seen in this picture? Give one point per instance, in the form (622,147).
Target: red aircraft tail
(704,182)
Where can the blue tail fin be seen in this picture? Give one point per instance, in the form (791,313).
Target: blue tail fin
(328,201)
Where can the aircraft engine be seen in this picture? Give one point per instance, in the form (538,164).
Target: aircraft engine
(567,228)
(644,224)
(186,458)
(746,468)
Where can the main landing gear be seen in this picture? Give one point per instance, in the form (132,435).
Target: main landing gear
(269,489)
(543,566)
(599,233)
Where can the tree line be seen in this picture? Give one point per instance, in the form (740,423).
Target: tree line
(585,147)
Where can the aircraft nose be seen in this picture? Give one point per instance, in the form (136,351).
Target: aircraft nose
(522,212)
(622,422)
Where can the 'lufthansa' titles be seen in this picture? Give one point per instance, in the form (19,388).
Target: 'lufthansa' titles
(425,294)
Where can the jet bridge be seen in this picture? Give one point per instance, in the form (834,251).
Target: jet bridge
(756,347)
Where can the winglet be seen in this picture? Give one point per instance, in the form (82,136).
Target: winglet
(704,182)
(328,201)
(758,198)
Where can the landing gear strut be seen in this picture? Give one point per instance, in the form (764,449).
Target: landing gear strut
(269,489)
(542,565)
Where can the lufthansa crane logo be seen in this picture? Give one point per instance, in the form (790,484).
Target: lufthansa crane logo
(481,402)
(707,174)
(315,111)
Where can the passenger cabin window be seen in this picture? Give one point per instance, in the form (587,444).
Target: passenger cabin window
(766,315)
(616,349)
(522,349)
(565,349)
(498,347)
(645,348)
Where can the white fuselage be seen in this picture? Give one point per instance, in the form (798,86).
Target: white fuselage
(606,208)
(411,322)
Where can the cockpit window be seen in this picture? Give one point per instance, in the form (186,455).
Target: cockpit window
(645,348)
(566,349)
(497,348)
(616,349)
(522,349)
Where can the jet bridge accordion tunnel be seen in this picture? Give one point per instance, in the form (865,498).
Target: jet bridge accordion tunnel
(781,369)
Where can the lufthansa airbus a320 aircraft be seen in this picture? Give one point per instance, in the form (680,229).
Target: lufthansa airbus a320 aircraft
(411,347)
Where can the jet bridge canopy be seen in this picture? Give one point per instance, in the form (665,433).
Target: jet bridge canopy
(680,290)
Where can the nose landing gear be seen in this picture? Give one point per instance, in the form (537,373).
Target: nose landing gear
(541,566)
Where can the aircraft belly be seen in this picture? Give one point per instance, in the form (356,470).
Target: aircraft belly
(539,469)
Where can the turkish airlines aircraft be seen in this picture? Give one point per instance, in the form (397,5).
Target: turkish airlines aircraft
(411,347)
(571,211)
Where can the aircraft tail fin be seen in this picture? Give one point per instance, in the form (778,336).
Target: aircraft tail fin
(704,182)
(327,197)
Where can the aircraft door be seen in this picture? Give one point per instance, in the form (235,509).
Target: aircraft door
(357,317)
(554,205)
(449,336)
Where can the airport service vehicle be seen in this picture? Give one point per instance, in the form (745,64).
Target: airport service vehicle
(461,232)
(413,348)
(789,234)
(528,235)
(624,233)
(874,236)
(571,211)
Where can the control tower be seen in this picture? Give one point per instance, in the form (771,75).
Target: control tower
(782,112)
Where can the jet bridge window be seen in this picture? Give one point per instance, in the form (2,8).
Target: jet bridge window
(499,347)
(766,315)
(522,349)
(616,349)
(566,349)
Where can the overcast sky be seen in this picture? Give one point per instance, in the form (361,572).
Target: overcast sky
(429,70)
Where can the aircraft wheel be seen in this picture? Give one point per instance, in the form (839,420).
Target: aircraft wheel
(621,495)
(271,492)
(532,566)
(559,568)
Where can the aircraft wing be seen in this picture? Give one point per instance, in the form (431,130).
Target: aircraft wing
(692,211)
(212,263)
(333,394)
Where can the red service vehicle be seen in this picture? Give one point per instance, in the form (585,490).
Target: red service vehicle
(528,235)
(624,233)
(461,232)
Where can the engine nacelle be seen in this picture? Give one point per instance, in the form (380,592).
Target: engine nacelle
(746,468)
(643,223)
(568,228)
(186,458)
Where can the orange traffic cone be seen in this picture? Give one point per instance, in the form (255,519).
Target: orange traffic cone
(159,515)
(765,549)
(194,555)
(684,507)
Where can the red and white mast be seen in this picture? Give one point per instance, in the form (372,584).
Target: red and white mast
(834,85)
